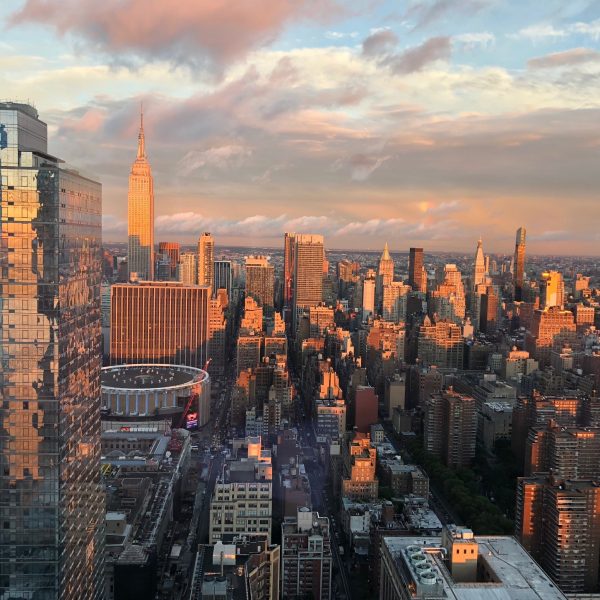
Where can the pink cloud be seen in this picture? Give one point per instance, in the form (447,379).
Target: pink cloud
(90,121)
(197,33)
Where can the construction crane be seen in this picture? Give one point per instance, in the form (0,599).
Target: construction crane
(190,400)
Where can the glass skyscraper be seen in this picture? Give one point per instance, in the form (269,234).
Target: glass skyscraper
(51,494)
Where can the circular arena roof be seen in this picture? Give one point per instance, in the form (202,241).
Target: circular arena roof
(150,377)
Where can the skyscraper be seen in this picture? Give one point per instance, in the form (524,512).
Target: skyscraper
(450,427)
(171,250)
(188,268)
(416,273)
(558,522)
(552,290)
(368,299)
(519,263)
(478,267)
(140,224)
(288,269)
(385,275)
(206,257)
(161,322)
(308,272)
(223,276)
(51,495)
(260,281)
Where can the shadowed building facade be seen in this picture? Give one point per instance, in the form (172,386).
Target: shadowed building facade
(51,495)
(519,263)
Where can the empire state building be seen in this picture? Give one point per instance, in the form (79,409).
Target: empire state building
(140,225)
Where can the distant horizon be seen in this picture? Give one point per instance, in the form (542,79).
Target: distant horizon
(375,251)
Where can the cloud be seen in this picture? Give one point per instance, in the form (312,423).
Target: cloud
(568,58)
(360,165)
(474,40)
(558,235)
(201,34)
(543,31)
(261,226)
(113,226)
(539,32)
(379,42)
(426,12)
(221,157)
(417,58)
(341,35)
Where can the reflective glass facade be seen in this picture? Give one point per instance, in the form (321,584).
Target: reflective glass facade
(51,495)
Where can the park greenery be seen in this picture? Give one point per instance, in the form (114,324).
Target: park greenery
(462,489)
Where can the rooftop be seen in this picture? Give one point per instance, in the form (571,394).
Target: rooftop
(518,576)
(147,377)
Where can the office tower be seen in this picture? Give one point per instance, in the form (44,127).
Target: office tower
(551,328)
(159,322)
(260,280)
(416,273)
(217,335)
(385,275)
(448,300)
(223,276)
(188,268)
(306,559)
(519,264)
(206,257)
(289,245)
(440,344)
(386,267)
(171,250)
(368,299)
(394,301)
(479,269)
(552,290)
(558,523)
(308,273)
(140,206)
(450,427)
(489,310)
(51,494)
(242,501)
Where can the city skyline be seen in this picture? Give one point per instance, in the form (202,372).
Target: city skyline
(487,119)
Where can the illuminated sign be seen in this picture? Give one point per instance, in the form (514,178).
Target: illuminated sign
(191,420)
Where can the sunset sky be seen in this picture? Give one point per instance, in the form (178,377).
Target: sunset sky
(417,122)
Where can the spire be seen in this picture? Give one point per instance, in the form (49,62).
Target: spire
(386,253)
(141,151)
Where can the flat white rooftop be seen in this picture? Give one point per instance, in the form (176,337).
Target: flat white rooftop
(520,577)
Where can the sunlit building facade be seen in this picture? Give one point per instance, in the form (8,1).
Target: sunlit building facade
(51,495)
(308,259)
(188,268)
(140,222)
(160,322)
(206,257)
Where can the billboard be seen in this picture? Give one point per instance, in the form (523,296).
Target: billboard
(191,420)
